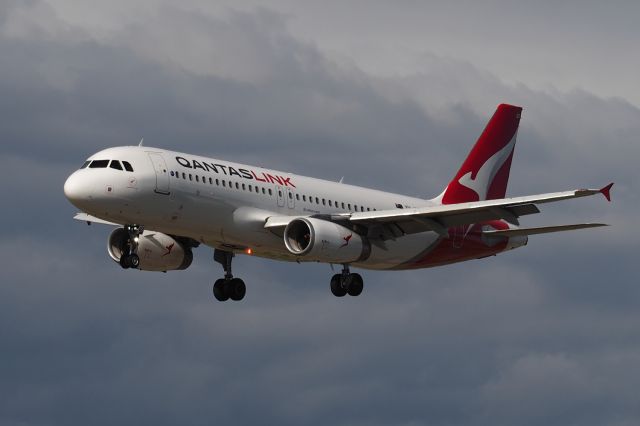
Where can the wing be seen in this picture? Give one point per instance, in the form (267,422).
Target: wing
(92,219)
(389,224)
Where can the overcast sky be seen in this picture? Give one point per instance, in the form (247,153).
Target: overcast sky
(387,94)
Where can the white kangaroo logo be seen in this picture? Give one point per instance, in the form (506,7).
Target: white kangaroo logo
(480,185)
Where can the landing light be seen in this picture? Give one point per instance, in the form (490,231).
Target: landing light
(136,239)
(248,251)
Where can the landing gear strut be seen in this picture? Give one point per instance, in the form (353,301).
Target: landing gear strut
(228,287)
(346,283)
(129,257)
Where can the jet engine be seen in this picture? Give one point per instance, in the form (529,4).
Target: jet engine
(157,251)
(324,241)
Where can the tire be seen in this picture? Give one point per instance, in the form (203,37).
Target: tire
(355,285)
(237,289)
(336,286)
(134,261)
(124,261)
(218,291)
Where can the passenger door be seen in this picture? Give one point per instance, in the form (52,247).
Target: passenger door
(162,175)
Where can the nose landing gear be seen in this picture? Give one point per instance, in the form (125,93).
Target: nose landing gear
(129,257)
(346,283)
(228,287)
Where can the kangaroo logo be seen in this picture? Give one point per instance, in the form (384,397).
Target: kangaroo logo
(169,248)
(480,184)
(346,240)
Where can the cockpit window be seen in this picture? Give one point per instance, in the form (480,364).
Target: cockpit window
(115,164)
(99,164)
(127,166)
(86,163)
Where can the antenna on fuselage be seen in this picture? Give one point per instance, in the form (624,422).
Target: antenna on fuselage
(341,179)
(141,142)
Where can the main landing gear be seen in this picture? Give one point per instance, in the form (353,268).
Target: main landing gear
(346,283)
(228,287)
(129,257)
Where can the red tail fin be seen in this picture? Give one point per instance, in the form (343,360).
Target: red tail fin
(485,172)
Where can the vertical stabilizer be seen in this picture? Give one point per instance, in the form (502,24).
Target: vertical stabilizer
(485,172)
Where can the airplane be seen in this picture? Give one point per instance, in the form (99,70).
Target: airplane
(164,204)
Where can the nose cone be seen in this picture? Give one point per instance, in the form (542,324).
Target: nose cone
(77,190)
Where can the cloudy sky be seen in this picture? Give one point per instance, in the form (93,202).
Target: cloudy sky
(387,94)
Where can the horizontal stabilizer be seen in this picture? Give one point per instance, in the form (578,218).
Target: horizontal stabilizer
(541,230)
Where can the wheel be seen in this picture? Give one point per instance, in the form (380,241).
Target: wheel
(237,289)
(124,261)
(218,290)
(355,284)
(336,286)
(134,261)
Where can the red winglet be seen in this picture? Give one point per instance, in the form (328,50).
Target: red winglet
(606,191)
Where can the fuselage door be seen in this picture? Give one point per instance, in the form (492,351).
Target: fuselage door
(280,196)
(162,175)
(290,201)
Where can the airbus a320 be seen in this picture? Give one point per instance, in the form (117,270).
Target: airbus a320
(164,204)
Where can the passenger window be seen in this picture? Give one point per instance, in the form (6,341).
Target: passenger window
(298,197)
(343,205)
(86,163)
(330,205)
(210,181)
(197,178)
(184,176)
(323,202)
(349,205)
(304,198)
(115,164)
(217,182)
(250,188)
(224,183)
(317,200)
(99,164)
(290,196)
(171,173)
(190,176)
(263,191)
(270,192)
(244,188)
(237,186)
(127,166)
(204,179)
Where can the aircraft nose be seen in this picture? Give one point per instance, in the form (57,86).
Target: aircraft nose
(75,189)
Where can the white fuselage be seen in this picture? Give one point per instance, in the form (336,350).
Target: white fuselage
(225,205)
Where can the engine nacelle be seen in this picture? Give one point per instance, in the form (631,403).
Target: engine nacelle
(157,251)
(324,241)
